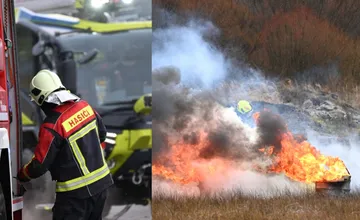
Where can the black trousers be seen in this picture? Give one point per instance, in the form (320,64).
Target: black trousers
(68,208)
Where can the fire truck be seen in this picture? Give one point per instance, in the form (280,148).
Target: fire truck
(11,200)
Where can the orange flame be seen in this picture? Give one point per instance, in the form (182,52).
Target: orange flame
(303,162)
(299,160)
(256,116)
(185,164)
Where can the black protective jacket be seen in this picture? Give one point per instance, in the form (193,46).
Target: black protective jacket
(70,148)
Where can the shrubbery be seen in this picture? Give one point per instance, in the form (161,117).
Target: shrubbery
(285,37)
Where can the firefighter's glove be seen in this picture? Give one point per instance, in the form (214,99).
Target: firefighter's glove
(22,177)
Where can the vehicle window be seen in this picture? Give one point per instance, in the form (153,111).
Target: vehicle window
(26,69)
(121,70)
(25,42)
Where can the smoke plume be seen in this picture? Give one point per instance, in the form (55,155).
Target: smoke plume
(191,89)
(39,191)
(201,65)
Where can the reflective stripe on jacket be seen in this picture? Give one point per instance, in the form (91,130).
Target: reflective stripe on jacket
(70,148)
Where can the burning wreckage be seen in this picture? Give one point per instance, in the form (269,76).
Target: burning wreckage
(199,154)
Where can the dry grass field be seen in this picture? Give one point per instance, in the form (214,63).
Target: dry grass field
(309,206)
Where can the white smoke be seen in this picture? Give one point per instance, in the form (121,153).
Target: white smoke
(39,191)
(202,67)
(243,182)
(200,63)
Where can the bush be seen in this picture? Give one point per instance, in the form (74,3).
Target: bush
(285,37)
(295,41)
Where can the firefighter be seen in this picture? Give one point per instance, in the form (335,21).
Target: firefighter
(70,147)
(245,111)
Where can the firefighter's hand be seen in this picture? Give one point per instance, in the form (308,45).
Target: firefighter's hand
(22,177)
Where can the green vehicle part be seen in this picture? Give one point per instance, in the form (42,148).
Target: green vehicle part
(112,27)
(101,27)
(143,105)
(126,143)
(26,120)
(79,4)
(129,141)
(104,27)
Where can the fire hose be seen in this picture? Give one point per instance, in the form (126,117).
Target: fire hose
(48,207)
(121,213)
(137,177)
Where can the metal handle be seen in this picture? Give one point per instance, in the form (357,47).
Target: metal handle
(138,176)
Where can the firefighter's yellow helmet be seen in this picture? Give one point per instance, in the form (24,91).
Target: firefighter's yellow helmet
(244,107)
(43,84)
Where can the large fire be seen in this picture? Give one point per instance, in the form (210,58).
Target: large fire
(185,165)
(303,162)
(298,160)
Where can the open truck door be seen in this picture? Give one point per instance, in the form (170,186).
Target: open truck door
(11,200)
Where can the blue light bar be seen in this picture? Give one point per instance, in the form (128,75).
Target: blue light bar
(55,19)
